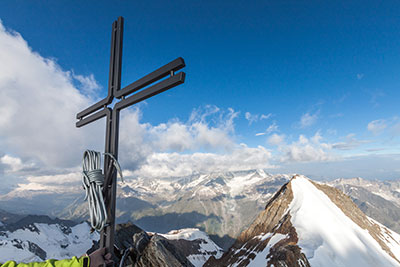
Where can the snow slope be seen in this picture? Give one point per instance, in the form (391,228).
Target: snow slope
(327,236)
(207,246)
(311,224)
(45,241)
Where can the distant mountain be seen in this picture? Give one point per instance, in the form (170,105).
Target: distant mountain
(8,217)
(379,200)
(36,238)
(221,204)
(310,224)
(389,189)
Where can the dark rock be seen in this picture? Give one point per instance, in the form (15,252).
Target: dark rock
(161,253)
(147,250)
(37,250)
(32,247)
(124,235)
(140,241)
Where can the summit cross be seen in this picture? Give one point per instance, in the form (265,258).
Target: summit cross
(101,109)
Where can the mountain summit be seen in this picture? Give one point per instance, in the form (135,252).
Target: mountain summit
(310,224)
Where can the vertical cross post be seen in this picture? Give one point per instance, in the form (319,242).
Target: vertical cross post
(112,134)
(145,87)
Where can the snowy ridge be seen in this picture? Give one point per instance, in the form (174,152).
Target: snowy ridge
(327,236)
(206,246)
(187,234)
(45,241)
(312,224)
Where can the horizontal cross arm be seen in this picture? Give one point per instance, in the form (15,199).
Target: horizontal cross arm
(160,87)
(95,107)
(160,73)
(94,117)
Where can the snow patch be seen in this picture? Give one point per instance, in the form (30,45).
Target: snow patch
(207,246)
(50,238)
(260,258)
(239,183)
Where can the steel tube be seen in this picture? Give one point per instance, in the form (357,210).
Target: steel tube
(93,117)
(151,91)
(160,73)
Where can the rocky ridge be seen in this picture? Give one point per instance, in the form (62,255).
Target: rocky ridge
(289,232)
(271,232)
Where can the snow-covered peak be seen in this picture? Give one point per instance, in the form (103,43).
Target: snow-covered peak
(311,224)
(327,236)
(40,241)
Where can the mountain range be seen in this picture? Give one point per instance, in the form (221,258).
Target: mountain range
(221,204)
(38,238)
(303,223)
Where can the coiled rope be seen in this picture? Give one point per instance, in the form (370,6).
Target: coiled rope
(93,182)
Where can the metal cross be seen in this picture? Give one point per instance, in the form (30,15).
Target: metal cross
(92,114)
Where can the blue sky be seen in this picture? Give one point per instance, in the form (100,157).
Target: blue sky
(297,86)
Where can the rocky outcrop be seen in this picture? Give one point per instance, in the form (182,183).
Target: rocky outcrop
(160,252)
(271,239)
(148,249)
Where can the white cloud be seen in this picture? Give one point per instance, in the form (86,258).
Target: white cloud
(57,179)
(372,167)
(350,143)
(377,126)
(88,84)
(250,117)
(276,139)
(305,150)
(211,130)
(202,113)
(176,164)
(38,103)
(265,117)
(14,164)
(256,117)
(272,128)
(178,136)
(308,119)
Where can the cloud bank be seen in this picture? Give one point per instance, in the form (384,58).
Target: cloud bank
(40,144)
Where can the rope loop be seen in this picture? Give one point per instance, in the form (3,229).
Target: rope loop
(93,181)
